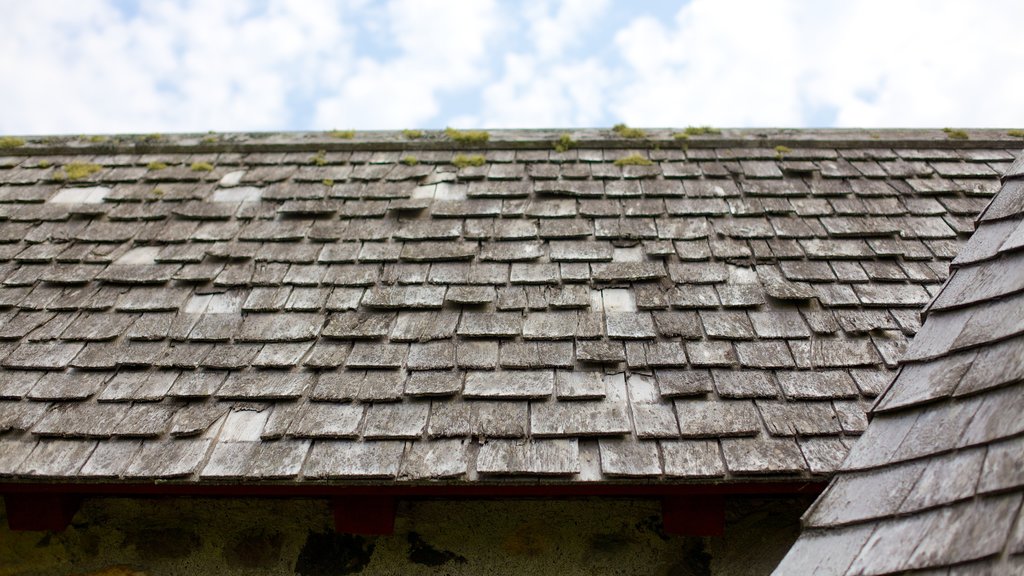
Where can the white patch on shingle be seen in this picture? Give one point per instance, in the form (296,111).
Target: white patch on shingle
(742,274)
(227,302)
(615,386)
(143,255)
(421,192)
(91,195)
(243,194)
(213,431)
(634,254)
(197,303)
(446,191)
(643,390)
(435,177)
(231,179)
(590,461)
(618,300)
(244,425)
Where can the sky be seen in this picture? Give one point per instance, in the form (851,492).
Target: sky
(142,66)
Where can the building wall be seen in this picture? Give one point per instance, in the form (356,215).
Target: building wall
(122,537)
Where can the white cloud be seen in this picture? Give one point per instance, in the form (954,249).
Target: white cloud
(792,62)
(711,67)
(553,28)
(443,48)
(75,66)
(83,66)
(542,86)
(535,94)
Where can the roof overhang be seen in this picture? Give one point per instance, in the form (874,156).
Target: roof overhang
(687,509)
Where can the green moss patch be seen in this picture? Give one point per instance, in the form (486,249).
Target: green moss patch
(627,132)
(156,166)
(467,136)
(342,134)
(633,160)
(781,151)
(462,160)
(319,159)
(954,134)
(201,167)
(1015,133)
(11,142)
(78,170)
(410,160)
(697,131)
(564,143)
(412,134)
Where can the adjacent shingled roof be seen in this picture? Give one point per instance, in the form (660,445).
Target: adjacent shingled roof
(202,309)
(936,482)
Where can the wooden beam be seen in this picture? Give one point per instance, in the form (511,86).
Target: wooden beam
(368,515)
(396,490)
(693,516)
(40,511)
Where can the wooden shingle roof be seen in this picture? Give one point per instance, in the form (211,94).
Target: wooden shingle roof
(301,309)
(936,483)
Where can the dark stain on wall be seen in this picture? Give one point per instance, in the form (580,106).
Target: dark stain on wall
(695,562)
(420,552)
(254,548)
(163,543)
(653,525)
(611,542)
(330,554)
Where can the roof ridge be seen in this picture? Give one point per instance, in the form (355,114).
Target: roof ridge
(525,139)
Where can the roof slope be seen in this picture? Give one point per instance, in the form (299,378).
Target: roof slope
(937,479)
(202,310)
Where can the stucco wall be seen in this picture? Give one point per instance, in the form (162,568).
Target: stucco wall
(194,536)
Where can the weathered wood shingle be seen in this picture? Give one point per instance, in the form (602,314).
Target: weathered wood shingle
(935,483)
(725,312)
